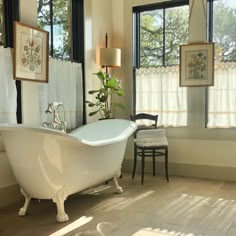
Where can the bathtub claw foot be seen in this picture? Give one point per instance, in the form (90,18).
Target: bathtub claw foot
(22,211)
(115,179)
(62,218)
(59,199)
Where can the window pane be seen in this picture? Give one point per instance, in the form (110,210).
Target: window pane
(44,21)
(176,32)
(62,29)
(151,38)
(61,25)
(161,33)
(224,30)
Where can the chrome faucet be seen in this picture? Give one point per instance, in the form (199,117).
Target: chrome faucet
(56,123)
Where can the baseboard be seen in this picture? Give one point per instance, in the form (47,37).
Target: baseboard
(10,194)
(188,170)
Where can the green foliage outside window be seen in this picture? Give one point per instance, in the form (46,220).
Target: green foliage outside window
(224,30)
(161,33)
(61,33)
(163,30)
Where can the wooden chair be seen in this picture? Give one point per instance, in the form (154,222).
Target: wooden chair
(149,141)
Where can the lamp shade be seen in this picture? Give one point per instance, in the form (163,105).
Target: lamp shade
(110,57)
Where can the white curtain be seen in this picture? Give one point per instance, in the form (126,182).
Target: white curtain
(222,97)
(158,92)
(65,85)
(7,87)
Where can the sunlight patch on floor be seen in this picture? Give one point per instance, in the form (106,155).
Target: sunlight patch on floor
(102,229)
(120,203)
(159,232)
(96,190)
(75,225)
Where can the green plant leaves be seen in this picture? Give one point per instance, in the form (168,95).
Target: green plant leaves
(101,75)
(93,113)
(93,91)
(103,95)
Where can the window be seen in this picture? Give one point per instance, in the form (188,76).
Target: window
(55,17)
(222,97)
(159,30)
(64,19)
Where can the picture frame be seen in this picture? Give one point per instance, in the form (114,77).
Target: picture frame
(30,53)
(196,65)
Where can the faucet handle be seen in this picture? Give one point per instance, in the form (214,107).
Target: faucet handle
(49,109)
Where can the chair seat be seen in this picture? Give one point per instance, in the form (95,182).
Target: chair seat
(150,142)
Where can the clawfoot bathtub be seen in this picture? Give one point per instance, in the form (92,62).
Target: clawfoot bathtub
(49,164)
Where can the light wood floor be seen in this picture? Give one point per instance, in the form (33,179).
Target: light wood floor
(183,207)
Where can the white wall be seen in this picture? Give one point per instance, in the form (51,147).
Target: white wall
(30,90)
(97,24)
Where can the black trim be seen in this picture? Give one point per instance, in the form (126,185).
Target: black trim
(164,38)
(163,5)
(78,41)
(51,28)
(18,100)
(136,40)
(134,93)
(11,13)
(78,30)
(210,20)
(210,4)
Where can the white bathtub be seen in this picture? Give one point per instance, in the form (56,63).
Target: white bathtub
(49,164)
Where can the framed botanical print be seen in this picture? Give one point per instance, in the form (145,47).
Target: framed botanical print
(197,65)
(30,53)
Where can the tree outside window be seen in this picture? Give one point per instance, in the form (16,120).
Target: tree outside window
(55,16)
(222,96)
(161,33)
(224,30)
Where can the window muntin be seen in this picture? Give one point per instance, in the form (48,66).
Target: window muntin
(55,17)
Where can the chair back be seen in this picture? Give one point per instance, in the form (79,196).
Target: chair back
(145,116)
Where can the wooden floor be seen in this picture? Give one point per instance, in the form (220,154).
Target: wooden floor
(183,207)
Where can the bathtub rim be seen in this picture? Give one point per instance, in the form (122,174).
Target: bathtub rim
(39,129)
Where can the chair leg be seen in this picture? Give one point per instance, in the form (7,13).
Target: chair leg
(135,162)
(143,166)
(153,163)
(166,164)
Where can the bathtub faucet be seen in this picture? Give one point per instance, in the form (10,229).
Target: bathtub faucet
(56,123)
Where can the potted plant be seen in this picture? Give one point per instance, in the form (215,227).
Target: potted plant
(104,96)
